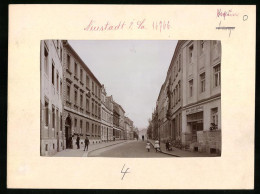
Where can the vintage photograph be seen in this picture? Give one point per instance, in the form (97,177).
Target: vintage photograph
(130,98)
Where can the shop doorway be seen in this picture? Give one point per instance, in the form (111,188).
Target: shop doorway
(196,126)
(68,133)
(195,122)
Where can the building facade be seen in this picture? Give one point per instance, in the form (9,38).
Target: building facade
(116,116)
(129,128)
(188,107)
(51,97)
(106,116)
(122,122)
(202,95)
(82,100)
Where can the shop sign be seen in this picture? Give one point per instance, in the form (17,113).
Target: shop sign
(194,110)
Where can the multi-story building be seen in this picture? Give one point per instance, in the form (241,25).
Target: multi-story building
(201,95)
(116,117)
(109,102)
(82,100)
(188,105)
(51,97)
(174,97)
(163,131)
(129,128)
(122,122)
(155,133)
(106,116)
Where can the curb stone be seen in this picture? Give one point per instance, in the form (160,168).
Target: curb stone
(170,154)
(85,154)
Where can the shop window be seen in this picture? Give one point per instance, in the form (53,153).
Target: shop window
(46,109)
(202,82)
(191,87)
(46,61)
(214,117)
(217,75)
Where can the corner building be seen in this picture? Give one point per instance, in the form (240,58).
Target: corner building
(82,100)
(201,112)
(51,97)
(188,108)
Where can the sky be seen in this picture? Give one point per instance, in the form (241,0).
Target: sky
(132,71)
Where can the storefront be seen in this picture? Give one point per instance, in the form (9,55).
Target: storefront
(197,131)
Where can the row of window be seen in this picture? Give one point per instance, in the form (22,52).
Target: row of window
(177,67)
(58,46)
(96,109)
(95,130)
(216,80)
(176,95)
(106,116)
(95,88)
(54,116)
(201,49)
(46,71)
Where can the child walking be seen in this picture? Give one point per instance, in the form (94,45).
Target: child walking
(148,146)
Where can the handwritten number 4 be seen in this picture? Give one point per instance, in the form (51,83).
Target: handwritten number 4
(124,172)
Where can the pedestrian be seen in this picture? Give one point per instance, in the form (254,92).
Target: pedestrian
(142,137)
(148,146)
(78,138)
(86,143)
(156,145)
(167,145)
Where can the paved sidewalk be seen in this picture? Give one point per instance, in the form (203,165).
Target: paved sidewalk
(181,153)
(81,153)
